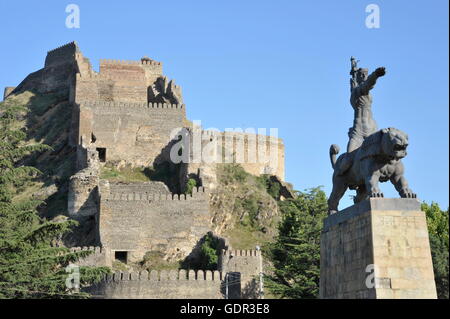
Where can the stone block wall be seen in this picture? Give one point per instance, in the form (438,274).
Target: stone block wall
(83,199)
(161,285)
(118,81)
(138,222)
(257,154)
(132,133)
(61,55)
(378,248)
(124,70)
(111,87)
(145,188)
(249,264)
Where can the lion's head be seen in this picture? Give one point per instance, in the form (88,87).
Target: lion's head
(394,143)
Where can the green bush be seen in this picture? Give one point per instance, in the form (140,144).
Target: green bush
(190,185)
(208,257)
(232,173)
(273,188)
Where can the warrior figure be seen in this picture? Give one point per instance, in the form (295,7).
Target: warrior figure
(363,124)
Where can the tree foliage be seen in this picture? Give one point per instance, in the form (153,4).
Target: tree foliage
(30,264)
(295,253)
(438,224)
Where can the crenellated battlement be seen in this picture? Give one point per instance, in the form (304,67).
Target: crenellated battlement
(97,257)
(198,192)
(70,45)
(94,76)
(184,284)
(244,136)
(129,62)
(166,275)
(63,54)
(241,253)
(95,249)
(113,104)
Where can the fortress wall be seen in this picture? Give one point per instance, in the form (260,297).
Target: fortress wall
(151,70)
(98,257)
(139,188)
(83,194)
(61,55)
(84,65)
(246,262)
(132,133)
(164,284)
(57,74)
(137,223)
(270,161)
(119,81)
(118,87)
(257,154)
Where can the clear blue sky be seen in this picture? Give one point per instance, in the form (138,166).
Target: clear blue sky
(280,64)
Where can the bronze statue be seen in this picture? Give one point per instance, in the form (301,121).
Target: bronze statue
(372,155)
(361,101)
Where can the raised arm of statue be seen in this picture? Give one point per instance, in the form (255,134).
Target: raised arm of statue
(353,84)
(371,80)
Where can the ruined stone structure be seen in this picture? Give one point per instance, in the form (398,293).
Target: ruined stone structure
(238,270)
(130,114)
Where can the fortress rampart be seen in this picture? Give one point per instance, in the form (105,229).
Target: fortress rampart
(163,284)
(136,223)
(151,69)
(138,134)
(257,154)
(140,188)
(249,264)
(62,54)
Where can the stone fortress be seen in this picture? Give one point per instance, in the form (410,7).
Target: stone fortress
(125,115)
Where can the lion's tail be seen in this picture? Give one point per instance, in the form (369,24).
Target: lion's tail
(334,150)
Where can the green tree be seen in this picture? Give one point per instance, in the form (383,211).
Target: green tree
(295,253)
(30,265)
(190,185)
(438,224)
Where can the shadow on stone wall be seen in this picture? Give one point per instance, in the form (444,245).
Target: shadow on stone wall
(251,289)
(166,171)
(87,233)
(231,285)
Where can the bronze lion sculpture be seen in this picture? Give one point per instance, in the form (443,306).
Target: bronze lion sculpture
(378,159)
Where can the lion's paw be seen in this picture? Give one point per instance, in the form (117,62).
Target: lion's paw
(376,194)
(407,193)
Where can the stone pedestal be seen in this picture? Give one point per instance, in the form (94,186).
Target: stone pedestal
(377,249)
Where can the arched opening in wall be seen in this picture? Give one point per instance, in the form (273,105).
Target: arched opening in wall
(121,256)
(101,154)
